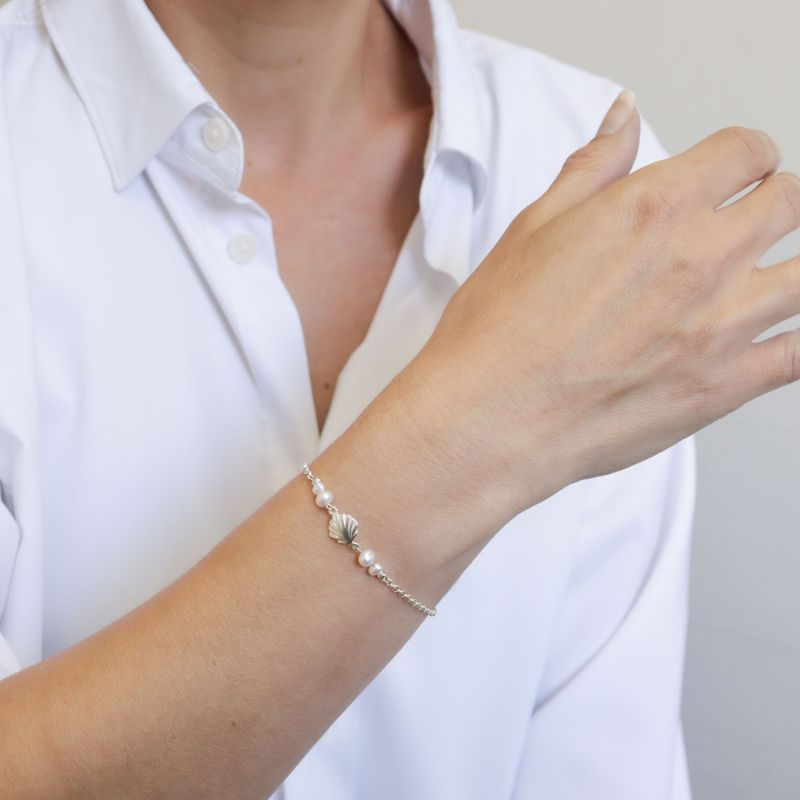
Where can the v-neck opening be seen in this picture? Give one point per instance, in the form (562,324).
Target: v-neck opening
(386,296)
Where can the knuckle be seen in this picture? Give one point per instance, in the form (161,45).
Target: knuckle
(652,202)
(781,363)
(785,286)
(581,159)
(755,147)
(791,359)
(787,186)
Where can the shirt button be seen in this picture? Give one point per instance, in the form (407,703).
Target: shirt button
(243,248)
(216,134)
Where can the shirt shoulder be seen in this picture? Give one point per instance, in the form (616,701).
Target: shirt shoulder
(16,362)
(22,40)
(20,21)
(534,99)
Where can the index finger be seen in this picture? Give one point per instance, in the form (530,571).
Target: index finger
(722,164)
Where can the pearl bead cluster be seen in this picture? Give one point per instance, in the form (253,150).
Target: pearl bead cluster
(367,559)
(323,496)
(344,528)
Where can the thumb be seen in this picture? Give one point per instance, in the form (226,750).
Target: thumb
(605,159)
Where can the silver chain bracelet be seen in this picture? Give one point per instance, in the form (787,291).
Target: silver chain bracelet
(344,529)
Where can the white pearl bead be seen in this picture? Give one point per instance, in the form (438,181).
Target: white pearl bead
(323,498)
(375,569)
(366,557)
(317,487)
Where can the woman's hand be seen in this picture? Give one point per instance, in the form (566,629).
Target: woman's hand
(616,314)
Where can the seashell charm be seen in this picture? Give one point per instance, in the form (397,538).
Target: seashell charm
(343,528)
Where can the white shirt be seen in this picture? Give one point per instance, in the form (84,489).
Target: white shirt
(154,391)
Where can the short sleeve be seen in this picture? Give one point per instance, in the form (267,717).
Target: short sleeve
(20,527)
(607,721)
(9,544)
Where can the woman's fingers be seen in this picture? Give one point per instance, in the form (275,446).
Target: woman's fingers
(722,164)
(772,296)
(770,364)
(763,216)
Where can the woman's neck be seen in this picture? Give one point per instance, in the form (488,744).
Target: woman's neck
(295,72)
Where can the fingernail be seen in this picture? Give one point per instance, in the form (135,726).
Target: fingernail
(618,114)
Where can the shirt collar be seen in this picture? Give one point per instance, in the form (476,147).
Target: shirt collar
(137,89)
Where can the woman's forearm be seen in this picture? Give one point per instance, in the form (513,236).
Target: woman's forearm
(217,686)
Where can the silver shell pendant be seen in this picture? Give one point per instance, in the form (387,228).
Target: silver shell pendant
(343,528)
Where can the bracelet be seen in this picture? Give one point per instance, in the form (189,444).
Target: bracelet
(344,529)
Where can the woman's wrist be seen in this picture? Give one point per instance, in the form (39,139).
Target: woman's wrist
(388,470)
(457,422)
(430,477)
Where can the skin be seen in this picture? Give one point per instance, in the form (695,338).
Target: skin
(615,316)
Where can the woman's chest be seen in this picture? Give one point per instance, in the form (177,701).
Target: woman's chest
(337,232)
(335,270)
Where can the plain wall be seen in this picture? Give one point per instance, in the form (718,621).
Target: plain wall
(698,67)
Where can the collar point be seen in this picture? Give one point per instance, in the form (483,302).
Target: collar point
(120,180)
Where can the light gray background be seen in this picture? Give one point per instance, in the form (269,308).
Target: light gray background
(697,67)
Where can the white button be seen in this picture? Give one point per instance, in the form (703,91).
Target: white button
(243,248)
(216,134)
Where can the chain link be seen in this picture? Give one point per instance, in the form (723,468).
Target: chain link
(383,577)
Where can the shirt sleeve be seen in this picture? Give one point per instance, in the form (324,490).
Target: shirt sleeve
(9,540)
(20,509)
(607,724)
